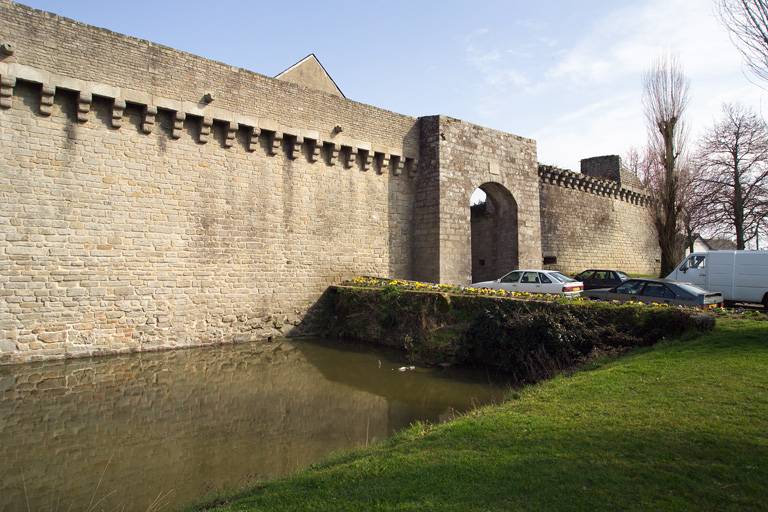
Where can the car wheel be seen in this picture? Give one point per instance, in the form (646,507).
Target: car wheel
(765,302)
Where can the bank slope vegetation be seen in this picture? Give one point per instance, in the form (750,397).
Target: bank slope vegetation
(681,425)
(527,337)
(674,423)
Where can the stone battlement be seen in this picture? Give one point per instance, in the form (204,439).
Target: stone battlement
(369,154)
(605,187)
(153,199)
(60,52)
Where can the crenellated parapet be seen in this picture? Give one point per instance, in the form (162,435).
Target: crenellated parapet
(332,149)
(565,178)
(152,198)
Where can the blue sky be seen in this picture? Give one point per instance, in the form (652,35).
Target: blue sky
(564,73)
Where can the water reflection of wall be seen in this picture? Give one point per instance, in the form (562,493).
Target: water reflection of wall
(158,417)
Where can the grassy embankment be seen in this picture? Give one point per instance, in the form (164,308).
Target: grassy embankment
(682,425)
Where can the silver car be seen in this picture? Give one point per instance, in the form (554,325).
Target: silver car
(535,281)
(659,291)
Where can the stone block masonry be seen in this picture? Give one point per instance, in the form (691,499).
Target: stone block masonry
(152,199)
(458,158)
(114,239)
(595,223)
(96,61)
(132,220)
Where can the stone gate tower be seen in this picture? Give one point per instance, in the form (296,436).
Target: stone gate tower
(456,159)
(150,198)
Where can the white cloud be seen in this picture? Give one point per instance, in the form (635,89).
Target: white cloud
(584,100)
(590,131)
(626,40)
(617,103)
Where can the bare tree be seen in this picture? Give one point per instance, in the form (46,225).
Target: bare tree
(733,163)
(747,23)
(696,216)
(646,165)
(665,99)
(639,161)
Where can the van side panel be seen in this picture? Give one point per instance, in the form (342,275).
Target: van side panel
(751,277)
(720,273)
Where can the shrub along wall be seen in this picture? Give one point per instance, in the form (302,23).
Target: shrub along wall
(528,339)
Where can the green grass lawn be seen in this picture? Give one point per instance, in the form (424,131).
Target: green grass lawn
(679,426)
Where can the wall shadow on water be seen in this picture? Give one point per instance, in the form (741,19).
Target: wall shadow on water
(187,421)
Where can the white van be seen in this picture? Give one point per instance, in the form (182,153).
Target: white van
(741,276)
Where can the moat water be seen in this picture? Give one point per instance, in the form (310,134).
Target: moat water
(139,431)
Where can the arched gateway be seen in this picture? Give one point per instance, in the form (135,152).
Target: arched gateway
(494,234)
(154,199)
(457,158)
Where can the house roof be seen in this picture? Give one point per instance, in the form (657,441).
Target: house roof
(308,72)
(714,244)
(721,244)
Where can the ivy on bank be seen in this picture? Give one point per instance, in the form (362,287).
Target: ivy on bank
(530,337)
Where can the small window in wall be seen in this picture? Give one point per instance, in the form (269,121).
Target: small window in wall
(482,263)
(550,260)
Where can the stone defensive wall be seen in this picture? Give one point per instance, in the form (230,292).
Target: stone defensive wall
(593,220)
(153,199)
(61,54)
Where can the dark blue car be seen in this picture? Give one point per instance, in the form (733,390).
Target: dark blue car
(594,279)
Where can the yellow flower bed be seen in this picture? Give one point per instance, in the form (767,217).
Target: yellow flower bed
(403,284)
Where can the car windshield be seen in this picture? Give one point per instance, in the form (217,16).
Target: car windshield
(560,277)
(622,275)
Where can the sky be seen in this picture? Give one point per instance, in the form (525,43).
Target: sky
(566,74)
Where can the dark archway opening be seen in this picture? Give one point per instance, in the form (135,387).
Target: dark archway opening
(494,232)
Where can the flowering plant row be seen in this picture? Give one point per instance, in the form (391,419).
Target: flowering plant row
(402,284)
(446,288)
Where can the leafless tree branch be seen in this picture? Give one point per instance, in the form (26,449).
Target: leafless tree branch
(747,23)
(666,96)
(732,161)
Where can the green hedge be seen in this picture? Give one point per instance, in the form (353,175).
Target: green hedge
(527,339)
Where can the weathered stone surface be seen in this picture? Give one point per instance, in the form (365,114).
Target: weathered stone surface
(455,161)
(595,223)
(135,216)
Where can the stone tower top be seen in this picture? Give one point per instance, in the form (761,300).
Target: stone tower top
(609,167)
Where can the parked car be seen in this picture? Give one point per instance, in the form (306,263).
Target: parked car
(601,278)
(741,276)
(660,291)
(535,281)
